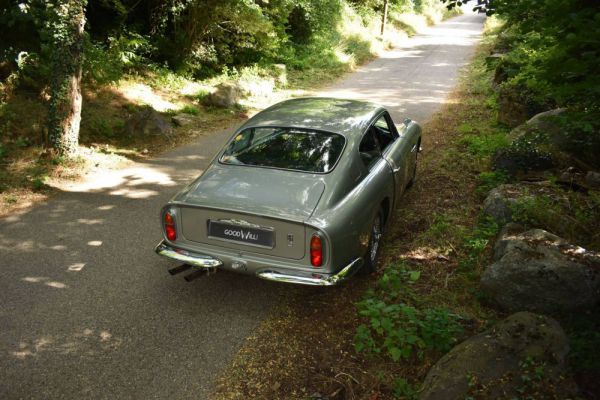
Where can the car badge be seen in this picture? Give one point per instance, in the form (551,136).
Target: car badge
(290,239)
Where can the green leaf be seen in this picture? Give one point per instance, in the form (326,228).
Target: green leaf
(414,275)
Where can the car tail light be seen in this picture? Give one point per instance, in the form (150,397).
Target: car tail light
(170,230)
(316,251)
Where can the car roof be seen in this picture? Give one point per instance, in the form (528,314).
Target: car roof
(346,117)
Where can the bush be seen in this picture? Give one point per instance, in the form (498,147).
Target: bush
(580,135)
(401,331)
(100,65)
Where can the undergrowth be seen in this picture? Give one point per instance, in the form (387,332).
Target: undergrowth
(398,325)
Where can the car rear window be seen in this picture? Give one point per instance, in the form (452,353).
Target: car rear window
(286,148)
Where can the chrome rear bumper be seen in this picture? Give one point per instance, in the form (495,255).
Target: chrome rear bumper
(262,271)
(314,279)
(197,260)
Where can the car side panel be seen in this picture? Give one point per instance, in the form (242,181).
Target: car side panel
(397,155)
(347,224)
(401,154)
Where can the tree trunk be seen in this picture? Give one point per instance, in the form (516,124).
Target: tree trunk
(384,16)
(64,116)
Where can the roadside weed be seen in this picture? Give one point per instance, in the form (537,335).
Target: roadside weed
(571,215)
(485,145)
(402,389)
(189,109)
(476,243)
(398,330)
(38,183)
(488,180)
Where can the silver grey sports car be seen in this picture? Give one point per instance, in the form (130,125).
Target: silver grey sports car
(301,193)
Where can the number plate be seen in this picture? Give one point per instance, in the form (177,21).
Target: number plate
(261,237)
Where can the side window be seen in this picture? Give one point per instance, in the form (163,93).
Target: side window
(385,133)
(369,148)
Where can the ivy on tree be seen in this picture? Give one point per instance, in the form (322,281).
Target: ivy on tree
(66,21)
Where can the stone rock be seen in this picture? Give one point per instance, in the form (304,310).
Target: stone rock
(226,94)
(543,119)
(592,179)
(571,179)
(538,271)
(147,122)
(492,364)
(524,154)
(183,120)
(541,122)
(499,202)
(515,107)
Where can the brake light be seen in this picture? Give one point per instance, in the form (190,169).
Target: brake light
(170,231)
(316,251)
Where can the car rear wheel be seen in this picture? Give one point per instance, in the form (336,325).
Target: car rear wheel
(372,255)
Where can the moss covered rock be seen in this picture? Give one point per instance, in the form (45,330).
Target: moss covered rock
(521,356)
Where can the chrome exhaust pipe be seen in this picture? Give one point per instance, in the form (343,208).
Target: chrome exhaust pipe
(179,269)
(194,275)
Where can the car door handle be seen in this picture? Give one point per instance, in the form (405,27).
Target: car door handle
(396,170)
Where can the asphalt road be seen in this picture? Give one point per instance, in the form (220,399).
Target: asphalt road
(87,310)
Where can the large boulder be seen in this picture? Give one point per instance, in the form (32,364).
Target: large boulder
(226,94)
(517,105)
(592,179)
(505,363)
(518,160)
(524,154)
(538,271)
(501,201)
(544,122)
(147,122)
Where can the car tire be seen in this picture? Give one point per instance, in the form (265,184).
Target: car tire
(372,254)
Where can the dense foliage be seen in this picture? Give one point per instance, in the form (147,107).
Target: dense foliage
(551,58)
(197,38)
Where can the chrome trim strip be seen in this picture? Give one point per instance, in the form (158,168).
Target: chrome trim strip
(241,222)
(332,280)
(196,260)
